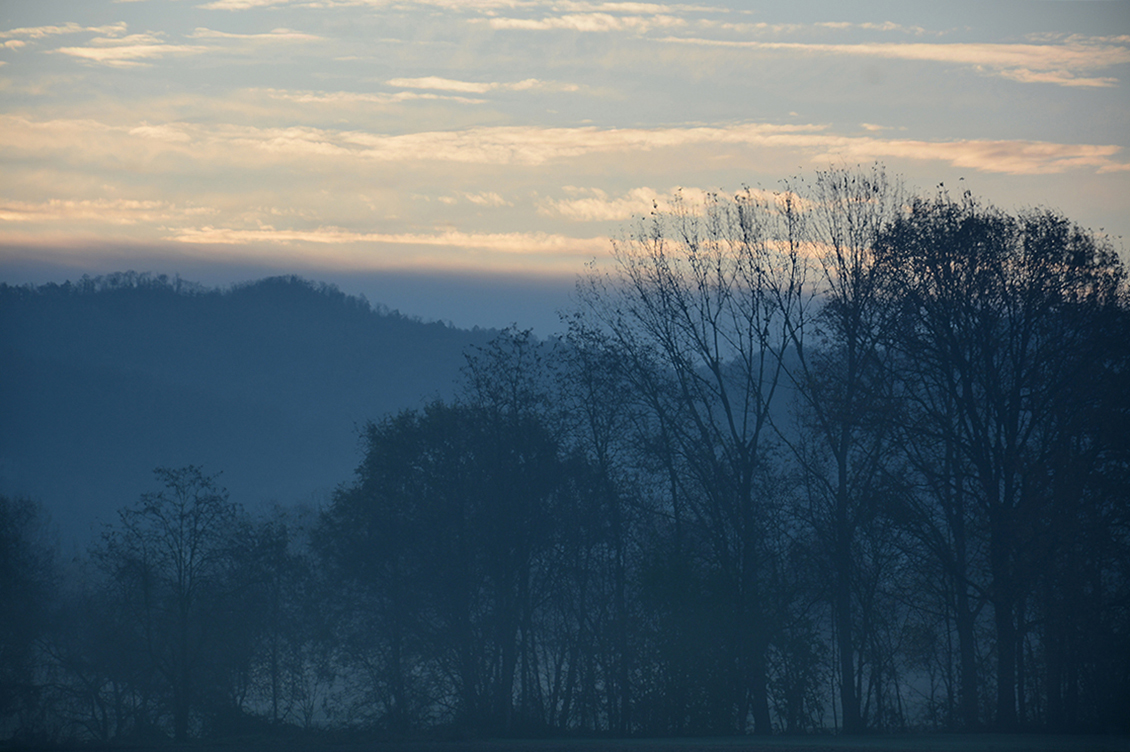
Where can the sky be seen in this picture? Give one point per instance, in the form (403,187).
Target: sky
(466,160)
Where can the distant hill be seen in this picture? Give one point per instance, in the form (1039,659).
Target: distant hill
(104,379)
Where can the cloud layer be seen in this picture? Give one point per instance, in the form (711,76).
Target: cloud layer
(519,135)
(1062,63)
(528,145)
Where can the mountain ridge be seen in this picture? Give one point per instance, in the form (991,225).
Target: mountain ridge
(267,382)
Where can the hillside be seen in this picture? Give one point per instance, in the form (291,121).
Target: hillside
(268,382)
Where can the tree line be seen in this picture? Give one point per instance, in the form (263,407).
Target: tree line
(831,457)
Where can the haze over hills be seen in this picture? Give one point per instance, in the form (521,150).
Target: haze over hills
(267,382)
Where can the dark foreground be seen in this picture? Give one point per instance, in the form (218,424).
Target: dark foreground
(890,743)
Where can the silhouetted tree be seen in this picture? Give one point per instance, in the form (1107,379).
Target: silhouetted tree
(170,563)
(601,415)
(28,583)
(1000,321)
(446,534)
(842,383)
(705,293)
(291,664)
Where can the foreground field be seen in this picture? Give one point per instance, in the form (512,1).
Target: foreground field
(893,743)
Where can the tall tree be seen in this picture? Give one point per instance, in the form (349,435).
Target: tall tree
(447,531)
(28,582)
(170,559)
(842,385)
(999,318)
(704,293)
(595,390)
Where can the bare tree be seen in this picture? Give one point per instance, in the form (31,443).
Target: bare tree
(170,560)
(841,379)
(595,389)
(703,293)
(28,584)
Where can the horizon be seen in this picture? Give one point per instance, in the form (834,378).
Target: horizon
(467,162)
(463,301)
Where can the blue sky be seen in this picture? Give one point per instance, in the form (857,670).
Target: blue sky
(466,160)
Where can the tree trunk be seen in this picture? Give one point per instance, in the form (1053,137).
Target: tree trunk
(853,722)
(1004,617)
(759,692)
(623,711)
(966,643)
(180,712)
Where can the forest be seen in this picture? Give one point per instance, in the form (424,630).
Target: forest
(832,458)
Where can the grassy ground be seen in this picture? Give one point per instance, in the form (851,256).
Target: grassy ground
(893,743)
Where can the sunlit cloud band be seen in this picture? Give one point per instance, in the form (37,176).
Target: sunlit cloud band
(520,145)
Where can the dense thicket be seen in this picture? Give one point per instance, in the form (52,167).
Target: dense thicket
(827,458)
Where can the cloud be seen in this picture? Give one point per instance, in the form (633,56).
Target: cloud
(484,198)
(1009,157)
(594,205)
(281,35)
(477,87)
(250,147)
(508,243)
(354,97)
(487,198)
(160,133)
(884,26)
(241,4)
(1063,78)
(479,6)
(443,84)
(639,8)
(1049,63)
(130,50)
(42,32)
(138,49)
(535,145)
(592,22)
(101,211)
(763,27)
(453,5)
